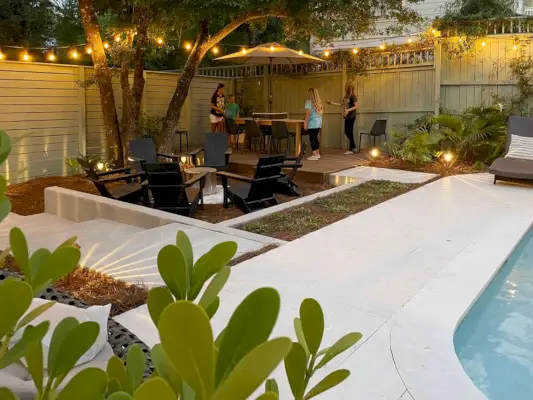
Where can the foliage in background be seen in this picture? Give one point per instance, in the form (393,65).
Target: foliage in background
(94,160)
(150,125)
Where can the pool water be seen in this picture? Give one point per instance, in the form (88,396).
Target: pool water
(494,342)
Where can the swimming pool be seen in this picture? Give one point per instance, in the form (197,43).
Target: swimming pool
(494,342)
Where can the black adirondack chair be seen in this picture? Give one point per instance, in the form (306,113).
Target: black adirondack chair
(169,190)
(143,151)
(132,190)
(291,165)
(257,191)
(216,151)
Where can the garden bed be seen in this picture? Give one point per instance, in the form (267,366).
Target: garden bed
(296,222)
(435,167)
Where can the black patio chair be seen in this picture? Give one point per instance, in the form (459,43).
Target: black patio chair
(143,151)
(280,133)
(378,129)
(257,191)
(232,129)
(216,152)
(170,192)
(132,190)
(253,134)
(291,165)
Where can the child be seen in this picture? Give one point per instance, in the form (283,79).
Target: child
(230,115)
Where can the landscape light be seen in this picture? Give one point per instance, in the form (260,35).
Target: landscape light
(447,157)
(382,46)
(515,47)
(243,51)
(483,44)
(51,57)
(300,52)
(117,38)
(100,166)
(409,41)
(26,56)
(160,41)
(355,51)
(374,153)
(326,53)
(272,48)
(2,56)
(106,45)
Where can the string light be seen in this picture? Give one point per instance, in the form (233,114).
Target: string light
(88,50)
(74,54)
(326,53)
(272,48)
(2,56)
(160,41)
(483,44)
(355,51)
(515,47)
(51,57)
(382,46)
(106,45)
(409,41)
(215,50)
(26,56)
(117,38)
(188,46)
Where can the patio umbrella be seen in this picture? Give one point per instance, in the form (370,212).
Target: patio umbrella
(270,54)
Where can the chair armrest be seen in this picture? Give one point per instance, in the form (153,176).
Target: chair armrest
(196,151)
(126,170)
(171,156)
(294,165)
(122,177)
(196,179)
(235,176)
(228,150)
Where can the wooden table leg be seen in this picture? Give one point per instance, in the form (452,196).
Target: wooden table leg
(298,139)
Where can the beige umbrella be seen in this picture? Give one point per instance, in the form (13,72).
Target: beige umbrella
(270,54)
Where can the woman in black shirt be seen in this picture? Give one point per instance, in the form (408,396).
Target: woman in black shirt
(349,107)
(218,106)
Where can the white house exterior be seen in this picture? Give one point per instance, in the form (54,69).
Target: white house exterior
(428,9)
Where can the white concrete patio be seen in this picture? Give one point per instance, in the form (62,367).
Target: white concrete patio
(365,268)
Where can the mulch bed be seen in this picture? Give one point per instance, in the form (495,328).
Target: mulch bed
(436,167)
(296,222)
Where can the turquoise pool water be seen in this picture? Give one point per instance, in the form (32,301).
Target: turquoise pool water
(495,340)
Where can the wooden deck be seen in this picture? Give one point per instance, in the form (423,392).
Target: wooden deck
(333,160)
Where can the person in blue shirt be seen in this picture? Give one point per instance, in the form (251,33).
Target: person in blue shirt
(313,121)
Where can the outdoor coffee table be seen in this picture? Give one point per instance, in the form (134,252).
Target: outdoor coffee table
(210,186)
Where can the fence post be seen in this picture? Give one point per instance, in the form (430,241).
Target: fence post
(437,56)
(82,120)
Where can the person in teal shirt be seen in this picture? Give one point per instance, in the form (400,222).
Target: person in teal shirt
(232,109)
(313,121)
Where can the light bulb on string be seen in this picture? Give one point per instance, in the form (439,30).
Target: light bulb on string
(326,53)
(25,56)
(409,41)
(382,46)
(51,57)
(515,47)
(483,44)
(117,38)
(106,45)
(188,46)
(88,50)
(160,41)
(272,48)
(2,55)
(74,54)
(215,50)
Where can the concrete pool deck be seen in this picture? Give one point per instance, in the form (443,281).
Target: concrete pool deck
(365,269)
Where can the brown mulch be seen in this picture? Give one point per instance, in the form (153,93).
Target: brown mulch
(28,198)
(215,213)
(436,167)
(252,254)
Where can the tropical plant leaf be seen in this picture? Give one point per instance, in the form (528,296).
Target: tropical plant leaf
(5,204)
(60,263)
(59,336)
(19,248)
(37,261)
(36,312)
(250,325)
(165,369)
(88,384)
(69,242)
(271,386)
(158,299)
(312,319)
(5,146)
(113,386)
(184,244)
(117,371)
(215,286)
(155,388)
(135,365)
(295,367)
(15,297)
(253,369)
(187,340)
(173,269)
(34,361)
(6,394)
(268,396)
(31,336)
(213,308)
(339,347)
(330,381)
(120,396)
(209,264)
(300,335)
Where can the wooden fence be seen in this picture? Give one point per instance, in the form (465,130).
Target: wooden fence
(50,116)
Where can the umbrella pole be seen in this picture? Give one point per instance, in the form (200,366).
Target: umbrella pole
(270,86)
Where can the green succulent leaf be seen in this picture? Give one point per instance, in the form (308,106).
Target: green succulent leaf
(34,360)
(5,204)
(59,336)
(184,244)
(271,386)
(115,370)
(268,396)
(253,369)
(19,248)
(113,386)
(312,319)
(300,335)
(62,261)
(187,340)
(37,261)
(250,325)
(135,365)
(210,264)
(214,288)
(330,381)
(31,336)
(173,269)
(5,146)
(6,394)
(15,297)
(69,242)
(295,367)
(155,388)
(165,369)
(218,340)
(36,312)
(88,384)
(213,308)
(120,396)
(159,298)
(339,347)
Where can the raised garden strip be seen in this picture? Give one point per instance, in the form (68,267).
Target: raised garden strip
(295,222)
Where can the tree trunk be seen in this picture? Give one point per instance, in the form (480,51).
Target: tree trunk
(104,79)
(170,123)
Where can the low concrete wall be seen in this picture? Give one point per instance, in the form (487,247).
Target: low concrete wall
(78,207)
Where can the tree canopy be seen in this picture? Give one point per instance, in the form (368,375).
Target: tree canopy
(27,22)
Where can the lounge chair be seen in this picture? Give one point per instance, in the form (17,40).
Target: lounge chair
(257,191)
(291,165)
(216,152)
(514,169)
(132,190)
(143,151)
(169,190)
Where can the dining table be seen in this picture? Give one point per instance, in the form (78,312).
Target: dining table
(297,123)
